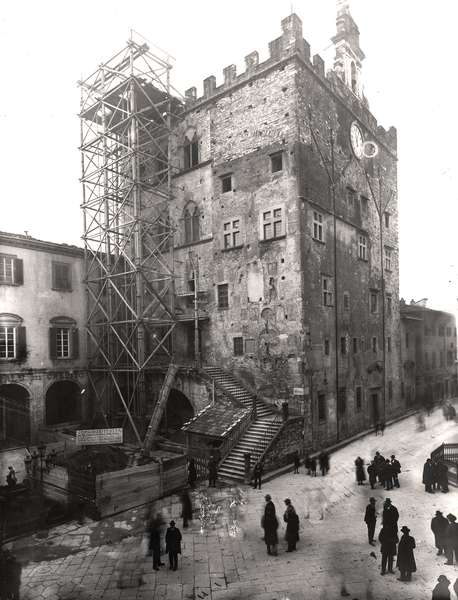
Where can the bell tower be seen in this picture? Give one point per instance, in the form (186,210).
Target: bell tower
(349,56)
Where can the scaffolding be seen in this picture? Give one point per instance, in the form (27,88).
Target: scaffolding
(127,117)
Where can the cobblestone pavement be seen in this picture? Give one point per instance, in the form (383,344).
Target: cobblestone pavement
(227,560)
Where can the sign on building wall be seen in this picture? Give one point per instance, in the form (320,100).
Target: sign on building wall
(298,391)
(91,437)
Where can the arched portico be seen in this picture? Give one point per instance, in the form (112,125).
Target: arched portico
(14,414)
(63,402)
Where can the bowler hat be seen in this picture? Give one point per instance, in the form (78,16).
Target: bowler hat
(172,523)
(442,578)
(287,501)
(371,498)
(451,517)
(267,497)
(438,512)
(387,500)
(405,529)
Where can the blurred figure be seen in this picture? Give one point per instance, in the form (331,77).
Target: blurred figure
(53,457)
(173,545)
(186,508)
(192,472)
(313,466)
(307,463)
(421,421)
(443,477)
(11,479)
(28,463)
(377,427)
(10,576)
(324,462)
(212,472)
(406,560)
(154,526)
(439,526)
(382,427)
(297,462)
(441,591)
(257,475)
(48,462)
(360,474)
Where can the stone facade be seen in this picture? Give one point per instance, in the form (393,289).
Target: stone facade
(42,347)
(428,354)
(277,192)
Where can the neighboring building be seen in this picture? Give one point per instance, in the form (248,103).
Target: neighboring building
(428,354)
(42,354)
(259,230)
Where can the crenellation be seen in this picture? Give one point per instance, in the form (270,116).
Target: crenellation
(306,50)
(275,48)
(190,95)
(209,86)
(318,64)
(230,75)
(251,62)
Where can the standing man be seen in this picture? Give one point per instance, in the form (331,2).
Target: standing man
(35,459)
(360,474)
(406,560)
(297,462)
(388,539)
(370,519)
(154,545)
(11,478)
(388,472)
(390,515)
(324,462)
(443,477)
(396,469)
(313,466)
(428,476)
(186,508)
(173,545)
(451,539)
(269,523)
(441,591)
(212,472)
(292,525)
(371,471)
(257,475)
(439,526)
(192,473)
(28,463)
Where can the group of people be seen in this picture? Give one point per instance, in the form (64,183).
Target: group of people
(310,464)
(445,531)
(449,411)
(390,542)
(154,527)
(383,470)
(270,524)
(435,476)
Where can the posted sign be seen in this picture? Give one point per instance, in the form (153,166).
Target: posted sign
(91,437)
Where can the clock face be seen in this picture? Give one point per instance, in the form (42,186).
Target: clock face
(357,141)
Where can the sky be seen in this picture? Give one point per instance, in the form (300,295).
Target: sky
(409,76)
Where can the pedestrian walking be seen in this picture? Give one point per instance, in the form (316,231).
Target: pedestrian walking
(406,560)
(153,528)
(313,466)
(11,479)
(370,518)
(377,427)
(269,523)
(372,472)
(192,472)
(257,475)
(186,508)
(439,526)
(443,477)
(396,469)
(28,463)
(390,515)
(212,472)
(441,591)
(360,474)
(35,459)
(388,539)
(297,462)
(307,464)
(324,462)
(379,461)
(451,539)
(428,476)
(173,545)
(382,427)
(291,519)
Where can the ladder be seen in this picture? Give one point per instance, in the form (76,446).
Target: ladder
(160,407)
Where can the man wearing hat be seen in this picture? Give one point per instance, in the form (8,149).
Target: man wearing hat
(173,545)
(406,560)
(439,526)
(390,515)
(269,523)
(292,525)
(441,592)
(370,519)
(451,539)
(396,469)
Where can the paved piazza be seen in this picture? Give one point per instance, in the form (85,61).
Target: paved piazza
(226,559)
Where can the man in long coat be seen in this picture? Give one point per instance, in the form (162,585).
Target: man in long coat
(441,591)
(154,546)
(439,526)
(388,539)
(257,475)
(390,515)
(428,476)
(360,474)
(212,472)
(372,472)
(396,469)
(370,518)
(451,539)
(173,545)
(292,525)
(269,523)
(443,476)
(406,560)
(388,472)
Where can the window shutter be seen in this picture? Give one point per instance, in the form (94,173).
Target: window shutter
(52,343)
(18,271)
(21,345)
(75,344)
(67,277)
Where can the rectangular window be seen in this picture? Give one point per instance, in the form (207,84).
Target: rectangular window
(191,154)
(343,345)
(364,204)
(388,344)
(355,345)
(389,304)
(390,390)
(326,285)
(441,331)
(327,347)
(223,295)
(276,162)
(62,342)
(250,347)
(374,344)
(346,301)
(322,407)
(238,346)
(226,183)
(317,226)
(449,331)
(351,197)
(359,399)
(7,342)
(388,255)
(450,358)
(342,400)
(232,237)
(61,277)
(362,247)
(441,358)
(272,224)
(374,302)
(387,220)
(11,270)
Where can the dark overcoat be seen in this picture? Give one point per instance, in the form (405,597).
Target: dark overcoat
(173,540)
(390,517)
(388,539)
(428,473)
(372,472)
(439,527)
(371,515)
(441,592)
(269,523)
(292,524)
(406,559)
(360,474)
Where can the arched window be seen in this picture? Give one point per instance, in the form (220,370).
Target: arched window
(63,338)
(191,217)
(191,152)
(354,79)
(12,338)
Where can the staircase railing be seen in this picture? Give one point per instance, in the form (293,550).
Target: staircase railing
(448,452)
(270,434)
(207,377)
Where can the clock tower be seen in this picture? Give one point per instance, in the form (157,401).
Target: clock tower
(349,56)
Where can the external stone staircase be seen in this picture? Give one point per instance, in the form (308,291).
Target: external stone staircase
(258,435)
